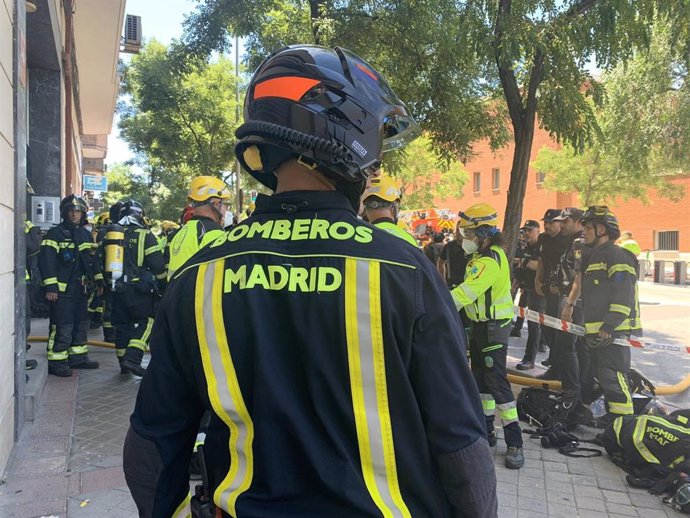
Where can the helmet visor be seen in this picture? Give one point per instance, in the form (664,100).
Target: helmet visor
(399,127)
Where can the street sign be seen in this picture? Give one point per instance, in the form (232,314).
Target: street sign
(95,183)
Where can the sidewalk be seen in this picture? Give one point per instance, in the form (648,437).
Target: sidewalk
(68,462)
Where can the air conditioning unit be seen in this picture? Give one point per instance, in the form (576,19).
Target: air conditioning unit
(45,211)
(132,36)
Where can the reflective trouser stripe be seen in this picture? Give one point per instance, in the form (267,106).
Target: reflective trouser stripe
(120,352)
(488,404)
(367,369)
(507,413)
(491,348)
(624,407)
(78,349)
(223,387)
(142,342)
(617,424)
(52,355)
(184,510)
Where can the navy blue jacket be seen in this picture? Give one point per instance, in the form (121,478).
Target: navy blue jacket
(333,361)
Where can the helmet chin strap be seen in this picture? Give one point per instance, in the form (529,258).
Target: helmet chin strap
(217,213)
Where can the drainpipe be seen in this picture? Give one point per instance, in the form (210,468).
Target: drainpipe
(69,92)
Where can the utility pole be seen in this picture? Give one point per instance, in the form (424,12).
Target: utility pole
(238,201)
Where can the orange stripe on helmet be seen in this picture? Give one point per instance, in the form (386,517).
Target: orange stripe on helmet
(292,88)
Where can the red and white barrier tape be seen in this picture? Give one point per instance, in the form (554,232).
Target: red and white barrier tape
(569,327)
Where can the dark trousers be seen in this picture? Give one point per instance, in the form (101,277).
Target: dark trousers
(69,326)
(132,316)
(610,365)
(552,308)
(522,303)
(535,302)
(108,327)
(488,362)
(564,357)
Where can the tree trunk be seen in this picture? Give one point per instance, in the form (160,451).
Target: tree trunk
(523,135)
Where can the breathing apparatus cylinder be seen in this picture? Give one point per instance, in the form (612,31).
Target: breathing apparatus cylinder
(114,244)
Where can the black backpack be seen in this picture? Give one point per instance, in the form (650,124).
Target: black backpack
(541,407)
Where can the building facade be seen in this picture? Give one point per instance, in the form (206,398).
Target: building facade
(58,87)
(661,225)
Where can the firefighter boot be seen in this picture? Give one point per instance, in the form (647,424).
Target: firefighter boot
(127,365)
(515,459)
(60,369)
(84,362)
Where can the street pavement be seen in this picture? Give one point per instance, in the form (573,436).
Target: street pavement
(68,461)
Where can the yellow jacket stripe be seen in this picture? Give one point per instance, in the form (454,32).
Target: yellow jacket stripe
(638,440)
(619,308)
(51,244)
(184,510)
(368,386)
(595,267)
(223,387)
(622,268)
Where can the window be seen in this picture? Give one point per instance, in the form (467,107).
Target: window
(477,182)
(541,176)
(667,240)
(495,179)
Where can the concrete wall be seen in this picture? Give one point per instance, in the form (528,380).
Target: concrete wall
(7,219)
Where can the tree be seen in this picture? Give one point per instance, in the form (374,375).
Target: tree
(423,180)
(645,131)
(179,116)
(162,199)
(454,60)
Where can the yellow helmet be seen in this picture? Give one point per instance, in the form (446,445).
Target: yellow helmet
(204,187)
(478,215)
(103,218)
(385,187)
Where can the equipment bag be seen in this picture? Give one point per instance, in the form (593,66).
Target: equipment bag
(541,407)
(634,442)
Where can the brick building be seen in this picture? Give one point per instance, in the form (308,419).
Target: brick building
(660,225)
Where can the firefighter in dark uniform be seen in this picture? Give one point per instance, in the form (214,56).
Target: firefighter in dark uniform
(67,267)
(208,196)
(329,353)
(486,297)
(135,294)
(610,308)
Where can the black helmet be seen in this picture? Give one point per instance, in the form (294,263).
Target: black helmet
(131,213)
(602,215)
(73,202)
(327,107)
(114,211)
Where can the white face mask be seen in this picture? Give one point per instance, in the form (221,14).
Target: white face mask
(227,219)
(469,246)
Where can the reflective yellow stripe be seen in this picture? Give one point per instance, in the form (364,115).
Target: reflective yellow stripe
(638,441)
(49,281)
(51,342)
(98,277)
(507,413)
(223,387)
(491,348)
(152,250)
(137,344)
(184,510)
(488,404)
(368,386)
(619,308)
(62,286)
(617,424)
(120,352)
(596,267)
(147,331)
(622,268)
(78,349)
(141,242)
(84,246)
(51,244)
